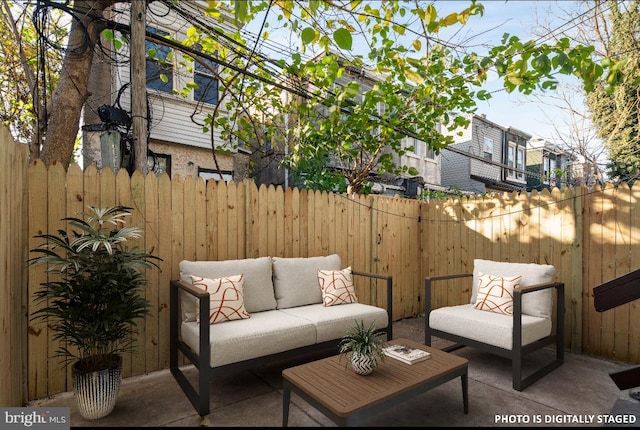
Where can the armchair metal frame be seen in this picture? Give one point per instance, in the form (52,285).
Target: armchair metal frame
(518,351)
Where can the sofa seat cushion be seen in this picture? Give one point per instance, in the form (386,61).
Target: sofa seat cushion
(295,280)
(537,303)
(258,286)
(334,321)
(487,327)
(265,333)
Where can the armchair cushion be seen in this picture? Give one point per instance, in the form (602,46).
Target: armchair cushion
(537,303)
(487,327)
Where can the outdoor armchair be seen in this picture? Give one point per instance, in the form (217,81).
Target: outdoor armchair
(510,314)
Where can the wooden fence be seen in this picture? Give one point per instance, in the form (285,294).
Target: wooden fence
(590,236)
(13,275)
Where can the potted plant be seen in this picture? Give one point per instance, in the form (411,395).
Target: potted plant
(363,346)
(95,301)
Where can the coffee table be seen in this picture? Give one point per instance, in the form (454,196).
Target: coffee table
(331,386)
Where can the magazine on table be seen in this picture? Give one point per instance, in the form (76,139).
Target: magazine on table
(406,353)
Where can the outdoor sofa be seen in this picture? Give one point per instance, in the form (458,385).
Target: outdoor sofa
(262,310)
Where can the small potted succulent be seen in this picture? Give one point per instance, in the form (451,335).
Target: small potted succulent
(363,346)
(93,303)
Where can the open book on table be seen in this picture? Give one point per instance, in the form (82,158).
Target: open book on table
(406,353)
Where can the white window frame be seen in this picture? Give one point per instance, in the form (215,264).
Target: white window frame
(520,162)
(207,174)
(511,160)
(487,148)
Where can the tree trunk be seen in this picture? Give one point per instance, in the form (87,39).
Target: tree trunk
(72,90)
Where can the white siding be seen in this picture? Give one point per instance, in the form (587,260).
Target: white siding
(170,114)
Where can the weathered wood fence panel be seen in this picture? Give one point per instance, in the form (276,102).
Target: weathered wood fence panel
(590,236)
(13,275)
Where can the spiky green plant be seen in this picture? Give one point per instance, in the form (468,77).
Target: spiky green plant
(362,340)
(94,303)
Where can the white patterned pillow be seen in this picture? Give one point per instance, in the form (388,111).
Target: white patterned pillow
(495,293)
(226,301)
(537,303)
(337,287)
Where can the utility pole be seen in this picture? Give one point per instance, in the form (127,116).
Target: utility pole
(139,84)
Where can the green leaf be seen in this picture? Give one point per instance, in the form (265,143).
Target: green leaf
(413,76)
(417,44)
(343,38)
(451,19)
(241,8)
(308,34)
(398,29)
(514,79)
(431,14)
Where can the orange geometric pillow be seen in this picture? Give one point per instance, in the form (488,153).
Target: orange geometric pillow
(226,300)
(495,293)
(337,287)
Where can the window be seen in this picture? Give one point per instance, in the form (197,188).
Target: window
(515,160)
(159,64)
(204,75)
(159,163)
(520,153)
(511,160)
(411,144)
(418,148)
(207,174)
(549,165)
(487,148)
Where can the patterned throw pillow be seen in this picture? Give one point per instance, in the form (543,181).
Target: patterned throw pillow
(337,287)
(495,293)
(226,301)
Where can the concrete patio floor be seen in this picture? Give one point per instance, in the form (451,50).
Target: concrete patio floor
(580,394)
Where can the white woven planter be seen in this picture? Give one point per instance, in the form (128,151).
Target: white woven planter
(363,364)
(96,393)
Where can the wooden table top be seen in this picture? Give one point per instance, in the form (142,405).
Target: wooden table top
(333,383)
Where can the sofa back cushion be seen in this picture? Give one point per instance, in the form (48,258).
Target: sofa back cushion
(538,303)
(258,285)
(295,280)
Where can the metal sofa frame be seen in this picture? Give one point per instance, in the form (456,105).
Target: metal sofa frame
(199,397)
(517,352)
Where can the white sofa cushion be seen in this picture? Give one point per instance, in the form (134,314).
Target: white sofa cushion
(258,286)
(264,333)
(538,303)
(333,322)
(487,327)
(295,280)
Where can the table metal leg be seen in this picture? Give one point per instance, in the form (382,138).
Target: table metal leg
(286,398)
(465,392)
